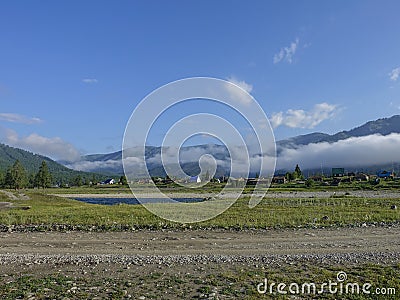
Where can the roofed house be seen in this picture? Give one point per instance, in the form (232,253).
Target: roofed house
(317,178)
(237,182)
(279,179)
(337,172)
(257,181)
(109,181)
(385,174)
(195,179)
(167,180)
(361,177)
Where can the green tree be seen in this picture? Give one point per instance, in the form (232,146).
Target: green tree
(16,176)
(310,183)
(297,172)
(2,179)
(77,181)
(8,180)
(94,180)
(43,176)
(290,176)
(123,181)
(32,180)
(61,183)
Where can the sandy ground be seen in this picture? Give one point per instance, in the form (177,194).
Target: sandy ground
(5,205)
(15,196)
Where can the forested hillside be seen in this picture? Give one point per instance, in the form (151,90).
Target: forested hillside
(31,163)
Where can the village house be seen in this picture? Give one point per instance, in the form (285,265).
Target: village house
(361,177)
(195,179)
(385,175)
(108,181)
(279,179)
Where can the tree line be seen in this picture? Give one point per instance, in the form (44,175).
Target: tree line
(295,175)
(16,177)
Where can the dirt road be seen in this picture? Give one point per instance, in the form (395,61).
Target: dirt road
(276,242)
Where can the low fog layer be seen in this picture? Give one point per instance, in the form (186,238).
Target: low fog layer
(351,152)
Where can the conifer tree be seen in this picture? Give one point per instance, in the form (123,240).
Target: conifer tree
(43,177)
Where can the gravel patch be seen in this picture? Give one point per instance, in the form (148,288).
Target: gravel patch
(172,260)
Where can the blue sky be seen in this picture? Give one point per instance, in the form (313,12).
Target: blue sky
(72,72)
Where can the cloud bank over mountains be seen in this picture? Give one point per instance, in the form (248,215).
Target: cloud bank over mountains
(352,152)
(361,151)
(374,143)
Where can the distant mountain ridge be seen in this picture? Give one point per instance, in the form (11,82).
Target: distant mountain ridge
(382,126)
(111,163)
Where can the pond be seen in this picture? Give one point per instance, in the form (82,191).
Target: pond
(113,201)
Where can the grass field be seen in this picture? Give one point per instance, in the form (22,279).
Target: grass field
(340,210)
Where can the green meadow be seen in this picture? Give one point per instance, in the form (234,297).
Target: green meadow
(342,209)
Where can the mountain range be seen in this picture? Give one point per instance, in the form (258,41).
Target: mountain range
(371,146)
(384,126)
(111,163)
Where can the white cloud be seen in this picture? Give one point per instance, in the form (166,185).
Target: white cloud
(17,118)
(358,151)
(286,53)
(242,84)
(394,74)
(54,147)
(89,166)
(304,119)
(237,94)
(89,80)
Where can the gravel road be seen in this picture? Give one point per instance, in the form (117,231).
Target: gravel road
(364,243)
